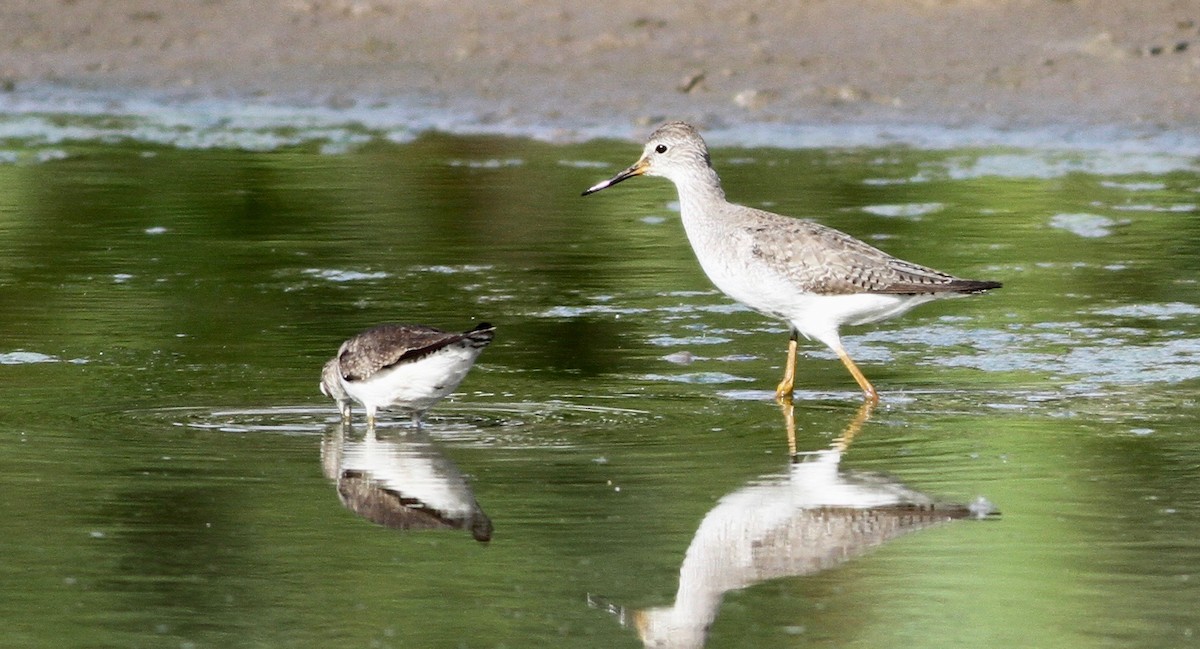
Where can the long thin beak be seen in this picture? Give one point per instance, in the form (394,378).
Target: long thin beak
(637,169)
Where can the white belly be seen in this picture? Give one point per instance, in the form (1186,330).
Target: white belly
(415,386)
(817,317)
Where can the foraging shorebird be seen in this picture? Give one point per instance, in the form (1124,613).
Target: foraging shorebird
(407,367)
(812,276)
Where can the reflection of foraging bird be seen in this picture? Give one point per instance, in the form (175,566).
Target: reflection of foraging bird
(408,367)
(814,277)
(404,483)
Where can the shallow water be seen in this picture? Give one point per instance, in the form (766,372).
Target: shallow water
(166,312)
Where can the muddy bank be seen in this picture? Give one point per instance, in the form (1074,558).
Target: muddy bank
(621,65)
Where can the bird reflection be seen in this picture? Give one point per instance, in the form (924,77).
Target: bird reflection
(811,518)
(402,482)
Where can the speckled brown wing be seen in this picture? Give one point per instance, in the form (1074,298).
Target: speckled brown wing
(825,261)
(913,279)
(372,350)
(386,345)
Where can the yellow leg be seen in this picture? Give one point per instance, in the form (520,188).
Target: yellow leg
(843,441)
(789,423)
(855,425)
(868,390)
(783,392)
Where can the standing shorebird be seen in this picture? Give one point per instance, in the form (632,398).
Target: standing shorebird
(814,277)
(408,367)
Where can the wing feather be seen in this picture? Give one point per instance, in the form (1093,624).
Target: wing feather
(386,345)
(830,262)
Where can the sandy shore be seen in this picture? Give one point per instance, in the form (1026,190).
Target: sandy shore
(1005,64)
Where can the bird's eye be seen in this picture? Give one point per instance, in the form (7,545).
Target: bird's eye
(662,148)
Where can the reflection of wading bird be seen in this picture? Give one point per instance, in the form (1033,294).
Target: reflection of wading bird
(409,367)
(404,483)
(814,277)
(812,518)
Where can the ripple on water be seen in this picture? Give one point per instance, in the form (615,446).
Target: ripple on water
(505,425)
(1133,186)
(1092,356)
(1156,311)
(21,357)
(1050,164)
(585,164)
(343,275)
(455,269)
(491,163)
(1092,226)
(1148,207)
(675,341)
(700,378)
(912,211)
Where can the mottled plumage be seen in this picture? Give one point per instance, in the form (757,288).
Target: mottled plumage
(812,276)
(829,262)
(409,367)
(402,482)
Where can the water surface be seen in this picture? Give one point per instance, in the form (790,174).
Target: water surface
(168,461)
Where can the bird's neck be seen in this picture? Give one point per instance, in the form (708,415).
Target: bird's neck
(698,189)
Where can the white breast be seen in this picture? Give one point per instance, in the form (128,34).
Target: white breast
(418,385)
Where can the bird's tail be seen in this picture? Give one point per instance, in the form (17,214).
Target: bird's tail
(972,285)
(481,335)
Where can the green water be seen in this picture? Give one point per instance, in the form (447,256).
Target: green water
(164,315)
